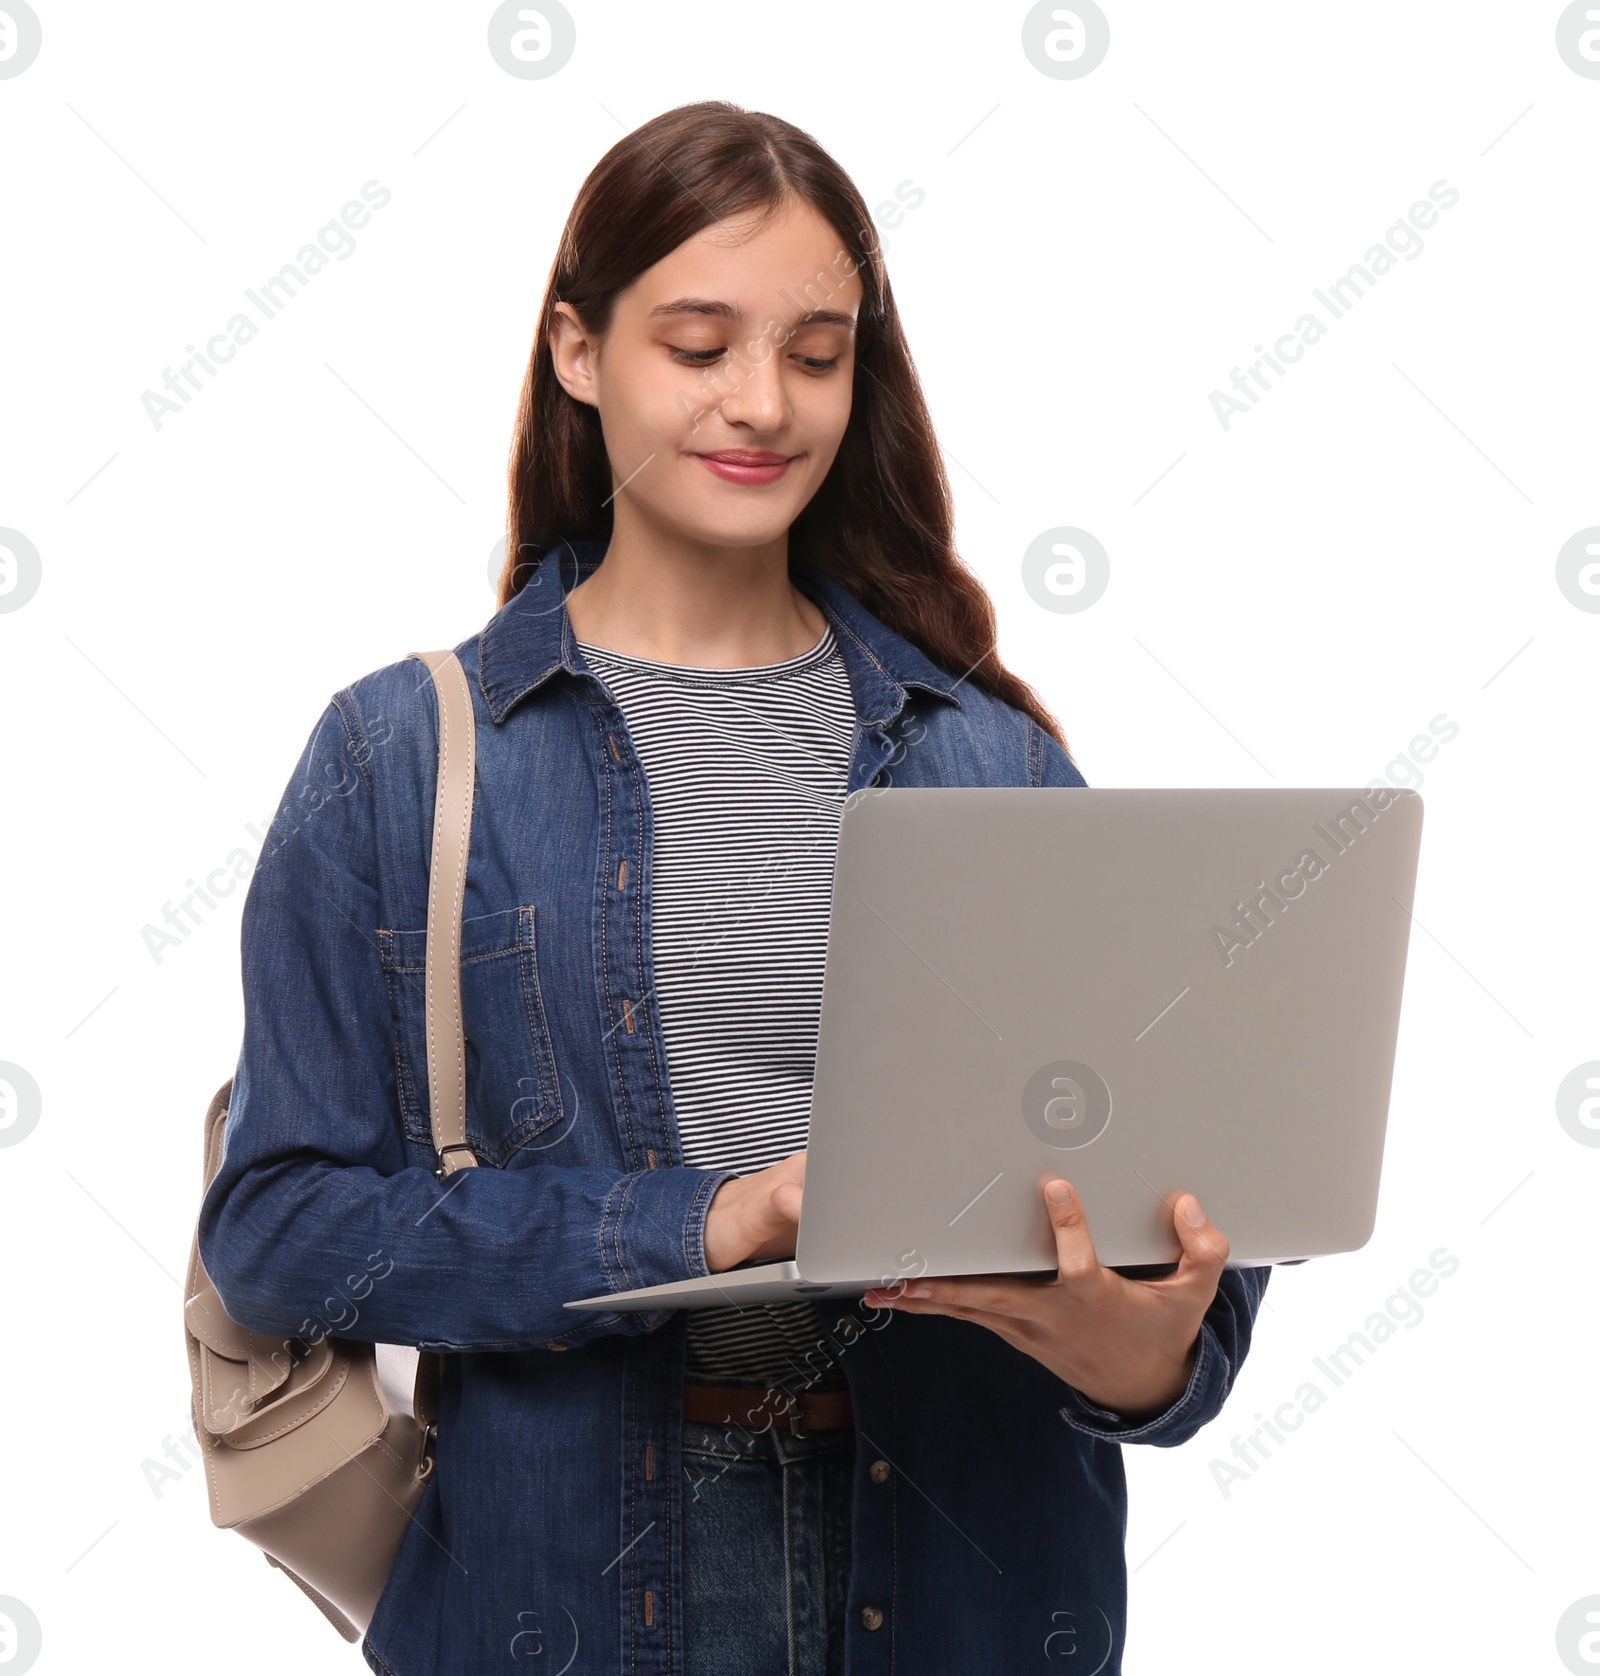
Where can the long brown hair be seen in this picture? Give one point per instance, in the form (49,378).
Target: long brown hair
(882,523)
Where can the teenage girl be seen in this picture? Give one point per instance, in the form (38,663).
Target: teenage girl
(731,597)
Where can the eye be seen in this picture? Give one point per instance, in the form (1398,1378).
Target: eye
(704,358)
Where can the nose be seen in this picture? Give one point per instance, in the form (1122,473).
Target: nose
(758,399)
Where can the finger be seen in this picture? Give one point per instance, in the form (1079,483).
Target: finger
(1013,1329)
(1016,1300)
(1205,1246)
(1075,1254)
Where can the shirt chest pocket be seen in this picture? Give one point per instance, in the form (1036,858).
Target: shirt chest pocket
(513,1092)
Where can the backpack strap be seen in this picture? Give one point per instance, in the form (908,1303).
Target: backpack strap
(447,883)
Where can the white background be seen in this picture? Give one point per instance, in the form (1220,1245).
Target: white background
(1291,600)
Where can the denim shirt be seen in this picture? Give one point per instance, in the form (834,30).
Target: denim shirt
(551,1528)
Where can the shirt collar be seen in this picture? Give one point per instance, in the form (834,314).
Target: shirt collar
(530,637)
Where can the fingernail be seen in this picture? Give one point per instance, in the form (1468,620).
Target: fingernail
(919,1291)
(1058,1192)
(1193,1215)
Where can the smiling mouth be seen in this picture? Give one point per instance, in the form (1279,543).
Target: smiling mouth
(747,457)
(747,465)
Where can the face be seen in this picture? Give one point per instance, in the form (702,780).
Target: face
(724,381)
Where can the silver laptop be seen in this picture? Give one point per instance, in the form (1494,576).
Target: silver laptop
(1142,991)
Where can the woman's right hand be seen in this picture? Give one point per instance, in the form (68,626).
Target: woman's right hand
(757,1215)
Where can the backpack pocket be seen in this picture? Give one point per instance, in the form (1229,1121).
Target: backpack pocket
(513,1092)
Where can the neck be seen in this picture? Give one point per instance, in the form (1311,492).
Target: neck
(676,600)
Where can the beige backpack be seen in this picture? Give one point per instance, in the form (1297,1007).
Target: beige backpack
(304,1454)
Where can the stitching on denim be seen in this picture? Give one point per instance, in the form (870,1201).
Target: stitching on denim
(788,1568)
(646,1000)
(548,1108)
(512,943)
(872,658)
(674,1515)
(538,1027)
(628,1279)
(466,959)
(1164,1421)
(899,686)
(615,1038)
(359,738)
(609,1214)
(623,1113)
(833,615)
(626,1576)
(512,604)
(694,1233)
(413,1120)
(629,1188)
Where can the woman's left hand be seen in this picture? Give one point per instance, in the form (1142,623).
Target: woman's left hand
(1127,1345)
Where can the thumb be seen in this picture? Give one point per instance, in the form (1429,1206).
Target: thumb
(786,1199)
(1205,1247)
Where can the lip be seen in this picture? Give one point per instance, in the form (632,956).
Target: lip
(746,465)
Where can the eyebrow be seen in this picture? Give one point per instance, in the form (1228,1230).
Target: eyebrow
(726,311)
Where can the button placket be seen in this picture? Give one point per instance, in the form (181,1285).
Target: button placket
(627,914)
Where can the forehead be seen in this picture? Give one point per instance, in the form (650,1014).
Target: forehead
(745,270)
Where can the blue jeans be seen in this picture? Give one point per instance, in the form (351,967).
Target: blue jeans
(766,1549)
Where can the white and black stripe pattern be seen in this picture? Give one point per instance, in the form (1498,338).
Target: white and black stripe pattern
(747,771)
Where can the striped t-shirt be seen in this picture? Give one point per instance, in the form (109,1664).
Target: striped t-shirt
(747,771)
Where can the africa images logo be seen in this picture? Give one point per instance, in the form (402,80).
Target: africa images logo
(1067,1103)
(1347,828)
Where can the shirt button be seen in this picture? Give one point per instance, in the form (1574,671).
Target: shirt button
(871,1617)
(878,1471)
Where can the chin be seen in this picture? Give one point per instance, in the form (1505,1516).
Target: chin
(718,528)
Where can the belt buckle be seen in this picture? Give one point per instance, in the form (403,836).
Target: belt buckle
(796,1429)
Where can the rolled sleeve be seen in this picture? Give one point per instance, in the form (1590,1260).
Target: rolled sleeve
(646,1205)
(1223,1344)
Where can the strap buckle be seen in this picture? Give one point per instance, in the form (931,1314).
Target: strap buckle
(439,1171)
(428,1458)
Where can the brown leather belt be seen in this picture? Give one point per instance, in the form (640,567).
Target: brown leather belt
(801,1412)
